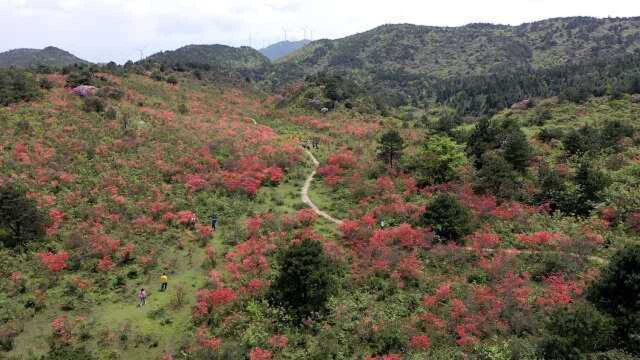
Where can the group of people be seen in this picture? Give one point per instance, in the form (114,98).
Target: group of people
(164,279)
(142,295)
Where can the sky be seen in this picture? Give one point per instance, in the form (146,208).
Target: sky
(121,30)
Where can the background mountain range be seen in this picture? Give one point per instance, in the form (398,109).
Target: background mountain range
(283,48)
(474,68)
(49,56)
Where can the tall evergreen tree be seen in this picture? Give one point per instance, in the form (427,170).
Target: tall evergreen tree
(390,147)
(305,282)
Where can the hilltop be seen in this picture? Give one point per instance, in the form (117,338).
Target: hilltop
(476,69)
(283,48)
(49,56)
(243,60)
(474,49)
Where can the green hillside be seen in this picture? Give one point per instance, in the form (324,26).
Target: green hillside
(283,48)
(473,49)
(49,56)
(477,68)
(244,60)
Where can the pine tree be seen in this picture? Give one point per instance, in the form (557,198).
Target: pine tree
(305,282)
(390,147)
(20,219)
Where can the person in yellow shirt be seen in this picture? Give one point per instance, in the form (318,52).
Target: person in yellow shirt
(163,282)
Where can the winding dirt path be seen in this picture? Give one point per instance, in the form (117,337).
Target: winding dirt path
(305,191)
(304,194)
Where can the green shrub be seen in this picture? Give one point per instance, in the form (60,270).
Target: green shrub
(497,177)
(172,80)
(438,160)
(93,104)
(390,147)
(110,92)
(448,218)
(45,84)
(617,292)
(305,281)
(574,332)
(21,221)
(16,86)
(68,353)
(80,77)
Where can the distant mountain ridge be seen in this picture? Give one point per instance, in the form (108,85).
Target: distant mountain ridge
(49,56)
(215,56)
(283,48)
(474,49)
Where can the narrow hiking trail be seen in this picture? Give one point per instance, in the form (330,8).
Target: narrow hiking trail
(304,193)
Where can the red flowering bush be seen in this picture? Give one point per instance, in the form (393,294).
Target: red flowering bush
(278,341)
(105,264)
(260,354)
(559,291)
(420,342)
(540,238)
(306,217)
(208,301)
(483,240)
(54,262)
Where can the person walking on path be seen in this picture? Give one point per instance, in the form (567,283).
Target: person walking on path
(214,221)
(142,296)
(164,280)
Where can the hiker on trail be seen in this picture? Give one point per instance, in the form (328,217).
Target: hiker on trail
(192,221)
(163,282)
(382,224)
(214,221)
(142,295)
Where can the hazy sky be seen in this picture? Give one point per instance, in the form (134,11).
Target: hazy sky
(103,30)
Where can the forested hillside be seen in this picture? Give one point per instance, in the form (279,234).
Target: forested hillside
(49,56)
(283,48)
(243,61)
(510,236)
(476,68)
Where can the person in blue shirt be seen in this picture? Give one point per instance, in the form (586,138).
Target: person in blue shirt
(214,221)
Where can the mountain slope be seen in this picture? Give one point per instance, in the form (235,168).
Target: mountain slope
(283,48)
(213,56)
(49,56)
(474,49)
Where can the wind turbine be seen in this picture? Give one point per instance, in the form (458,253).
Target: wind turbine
(285,34)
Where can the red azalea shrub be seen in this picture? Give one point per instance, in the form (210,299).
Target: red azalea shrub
(56,217)
(105,264)
(420,342)
(209,301)
(195,182)
(260,354)
(186,217)
(442,292)
(61,328)
(274,174)
(207,342)
(559,291)
(54,262)
(104,245)
(483,240)
(278,341)
(633,221)
(540,238)
(404,235)
(306,217)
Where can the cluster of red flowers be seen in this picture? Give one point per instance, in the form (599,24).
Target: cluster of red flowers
(54,262)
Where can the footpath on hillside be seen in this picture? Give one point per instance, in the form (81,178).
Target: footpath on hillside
(307,200)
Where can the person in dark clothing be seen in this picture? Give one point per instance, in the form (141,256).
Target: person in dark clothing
(214,221)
